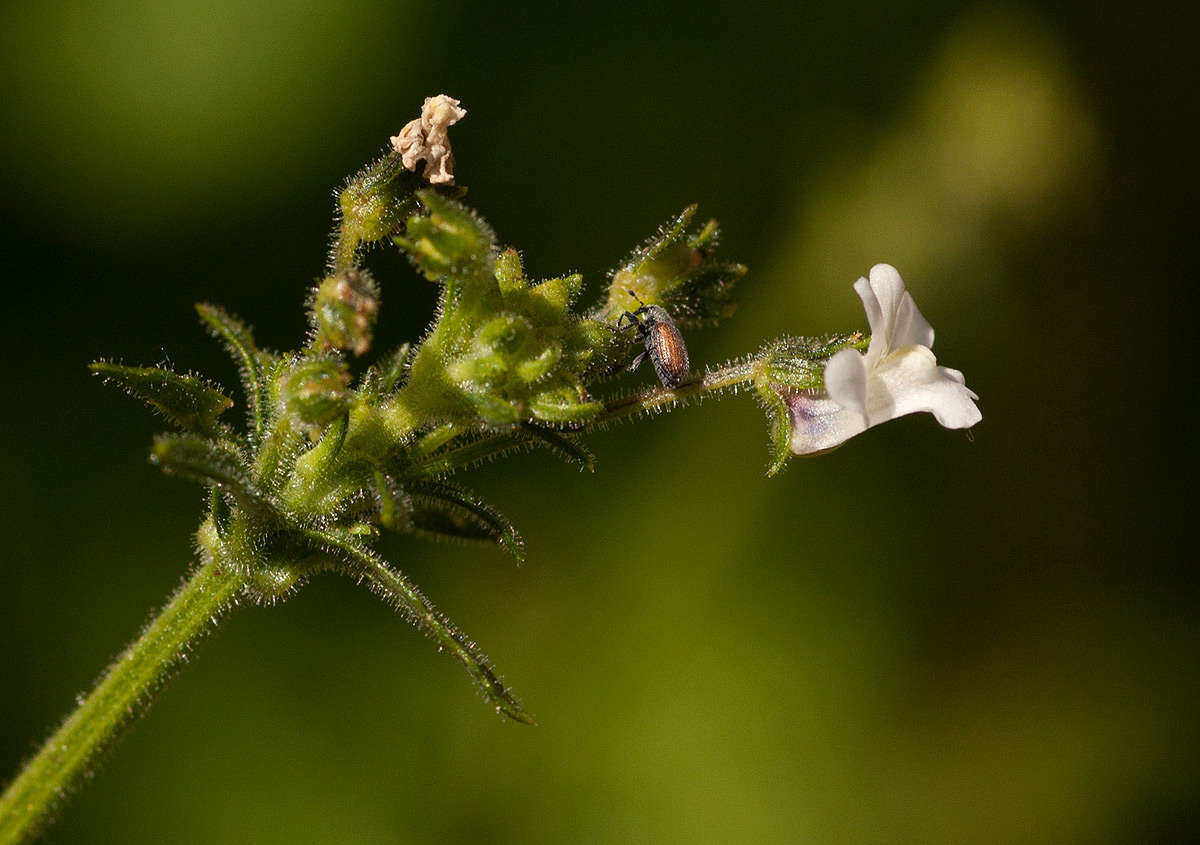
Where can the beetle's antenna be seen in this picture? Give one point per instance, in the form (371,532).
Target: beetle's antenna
(635,296)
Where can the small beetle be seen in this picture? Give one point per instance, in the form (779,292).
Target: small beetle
(663,342)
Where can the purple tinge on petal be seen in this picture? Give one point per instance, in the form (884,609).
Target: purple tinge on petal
(818,423)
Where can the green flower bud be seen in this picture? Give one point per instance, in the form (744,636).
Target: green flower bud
(373,205)
(343,311)
(448,240)
(315,392)
(675,269)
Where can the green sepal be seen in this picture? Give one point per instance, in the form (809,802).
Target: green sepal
(392,369)
(436,438)
(209,462)
(219,509)
(536,367)
(186,401)
(704,295)
(510,275)
(707,237)
(553,297)
(492,409)
(364,531)
(564,405)
(799,362)
(447,509)
(504,336)
(315,463)
(779,426)
(239,342)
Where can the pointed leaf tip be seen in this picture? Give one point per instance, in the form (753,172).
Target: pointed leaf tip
(209,462)
(239,341)
(187,401)
(565,445)
(450,510)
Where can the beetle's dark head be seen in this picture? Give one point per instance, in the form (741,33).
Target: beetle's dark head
(653,315)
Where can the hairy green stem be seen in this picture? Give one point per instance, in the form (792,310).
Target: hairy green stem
(728,377)
(124,690)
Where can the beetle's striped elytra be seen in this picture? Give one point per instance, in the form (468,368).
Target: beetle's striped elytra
(663,343)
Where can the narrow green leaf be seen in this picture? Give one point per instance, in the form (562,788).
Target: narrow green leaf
(447,509)
(208,462)
(397,590)
(474,451)
(187,401)
(240,342)
(567,446)
(669,233)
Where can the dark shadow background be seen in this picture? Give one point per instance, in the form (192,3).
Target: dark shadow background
(920,637)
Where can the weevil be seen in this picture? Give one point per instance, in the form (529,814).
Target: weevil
(664,344)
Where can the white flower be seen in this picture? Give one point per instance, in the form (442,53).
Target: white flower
(897,375)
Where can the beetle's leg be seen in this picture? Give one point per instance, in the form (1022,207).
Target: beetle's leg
(637,362)
(633,321)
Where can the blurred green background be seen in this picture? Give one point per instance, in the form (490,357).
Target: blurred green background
(922,637)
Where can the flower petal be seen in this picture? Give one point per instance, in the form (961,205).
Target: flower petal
(819,423)
(846,375)
(894,316)
(875,315)
(909,380)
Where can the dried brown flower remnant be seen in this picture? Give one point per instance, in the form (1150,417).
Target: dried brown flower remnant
(425,139)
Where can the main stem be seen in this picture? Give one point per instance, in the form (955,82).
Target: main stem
(125,688)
